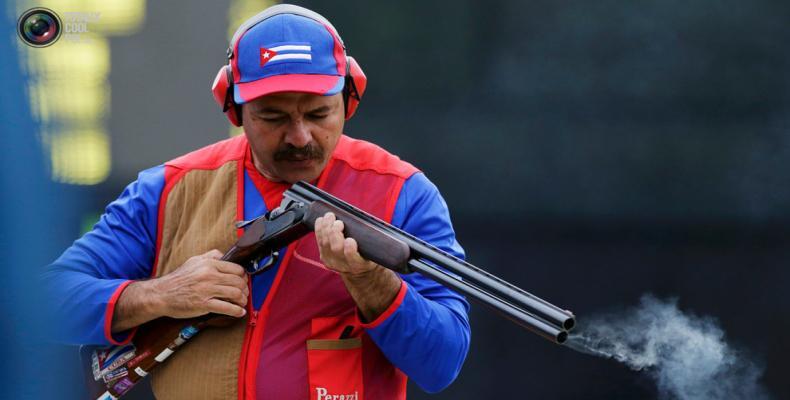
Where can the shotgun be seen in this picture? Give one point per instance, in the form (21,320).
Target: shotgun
(115,370)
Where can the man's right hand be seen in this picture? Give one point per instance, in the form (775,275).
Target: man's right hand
(202,285)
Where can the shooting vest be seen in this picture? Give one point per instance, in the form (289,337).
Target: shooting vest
(292,347)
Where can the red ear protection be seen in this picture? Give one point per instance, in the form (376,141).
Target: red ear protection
(222,88)
(356,82)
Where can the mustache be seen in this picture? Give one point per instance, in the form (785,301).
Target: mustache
(293,153)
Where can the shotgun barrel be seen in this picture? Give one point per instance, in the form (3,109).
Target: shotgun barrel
(515,303)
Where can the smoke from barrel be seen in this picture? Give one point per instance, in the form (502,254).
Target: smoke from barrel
(686,355)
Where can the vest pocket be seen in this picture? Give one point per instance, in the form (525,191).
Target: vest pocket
(335,369)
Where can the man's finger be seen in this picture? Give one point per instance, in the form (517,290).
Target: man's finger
(328,220)
(231,294)
(232,281)
(338,226)
(227,267)
(336,236)
(223,307)
(320,233)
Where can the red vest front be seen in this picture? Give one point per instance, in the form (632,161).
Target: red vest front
(292,347)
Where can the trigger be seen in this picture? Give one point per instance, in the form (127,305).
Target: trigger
(257,267)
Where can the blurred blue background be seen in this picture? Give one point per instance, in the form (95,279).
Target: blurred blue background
(39,218)
(589,152)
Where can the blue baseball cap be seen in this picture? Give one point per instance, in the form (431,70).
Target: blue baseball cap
(286,48)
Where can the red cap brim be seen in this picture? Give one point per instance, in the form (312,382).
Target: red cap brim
(325,85)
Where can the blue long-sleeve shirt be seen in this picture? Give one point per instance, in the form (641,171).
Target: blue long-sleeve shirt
(427,336)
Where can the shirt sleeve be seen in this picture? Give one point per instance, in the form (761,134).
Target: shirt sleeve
(84,283)
(425,332)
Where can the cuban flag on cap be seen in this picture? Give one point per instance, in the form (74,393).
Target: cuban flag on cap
(286,53)
(291,52)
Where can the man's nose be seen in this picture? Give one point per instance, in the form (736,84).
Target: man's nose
(298,134)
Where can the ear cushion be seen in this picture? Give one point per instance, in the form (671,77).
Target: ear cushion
(222,89)
(355,86)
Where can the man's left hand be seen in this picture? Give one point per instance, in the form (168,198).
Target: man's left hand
(372,286)
(338,252)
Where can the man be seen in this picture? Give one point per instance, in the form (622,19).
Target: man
(323,322)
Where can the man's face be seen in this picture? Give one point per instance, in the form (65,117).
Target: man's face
(292,135)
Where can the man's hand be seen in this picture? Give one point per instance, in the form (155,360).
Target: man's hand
(338,252)
(372,286)
(202,285)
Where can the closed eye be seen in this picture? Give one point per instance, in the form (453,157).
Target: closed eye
(319,113)
(271,117)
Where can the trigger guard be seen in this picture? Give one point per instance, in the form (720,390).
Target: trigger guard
(271,259)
